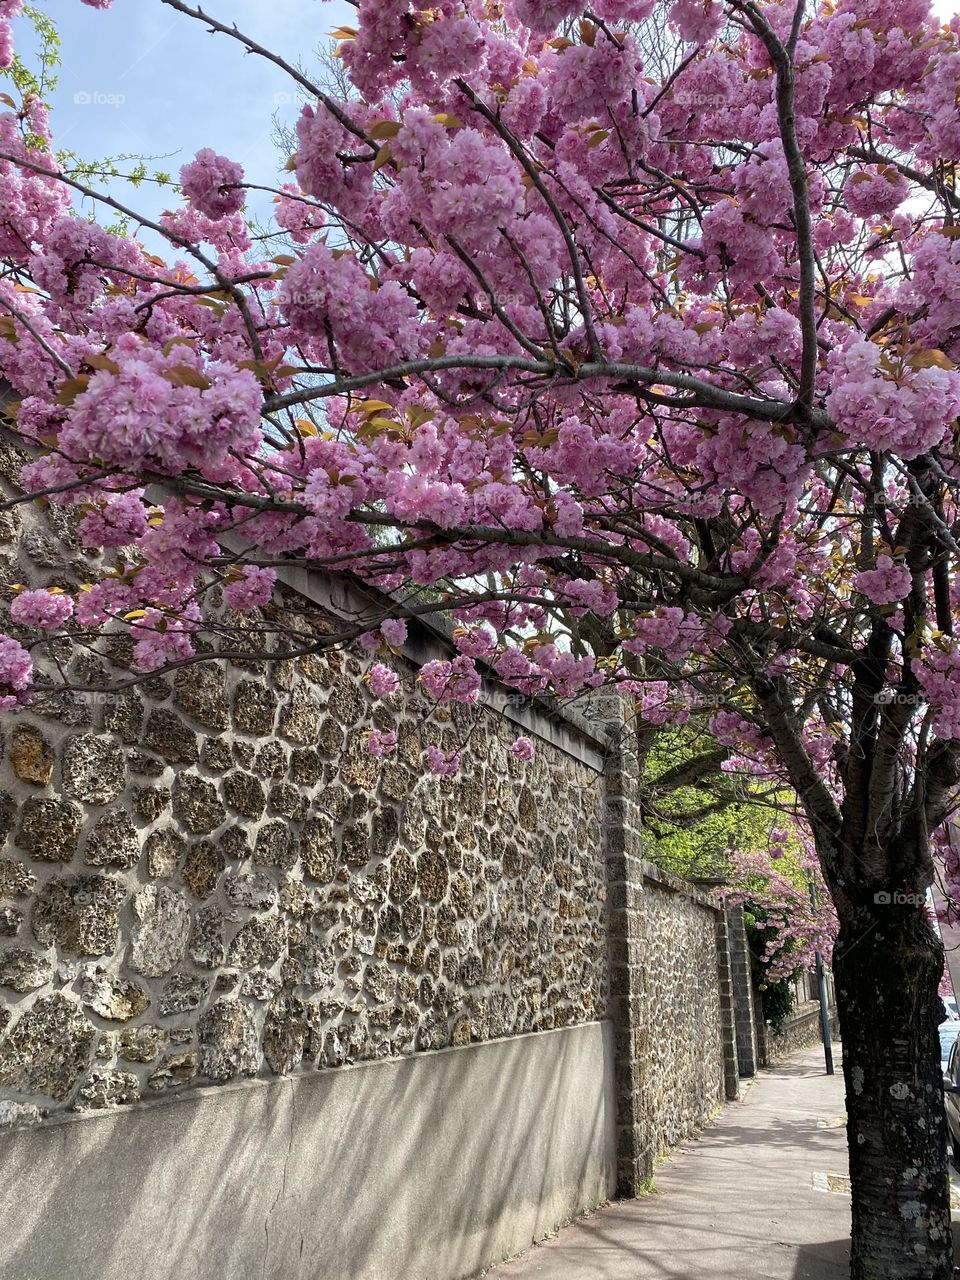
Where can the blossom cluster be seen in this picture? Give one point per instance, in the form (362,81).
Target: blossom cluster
(773,886)
(906,414)
(938,674)
(16,674)
(213,183)
(529,337)
(147,409)
(888,583)
(46,610)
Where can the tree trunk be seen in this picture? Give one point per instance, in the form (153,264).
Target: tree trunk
(887,965)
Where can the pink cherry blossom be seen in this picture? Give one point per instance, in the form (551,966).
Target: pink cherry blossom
(119,520)
(394,632)
(47,610)
(328,291)
(888,583)
(543,15)
(907,415)
(451,681)
(522,749)
(16,674)
(381,743)
(253,589)
(443,762)
(640,374)
(6,43)
(696,21)
(938,674)
(212,183)
(874,192)
(383,680)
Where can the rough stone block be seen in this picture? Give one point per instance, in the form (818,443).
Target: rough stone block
(93,769)
(49,829)
(31,756)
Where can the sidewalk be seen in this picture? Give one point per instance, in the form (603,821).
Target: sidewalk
(749,1199)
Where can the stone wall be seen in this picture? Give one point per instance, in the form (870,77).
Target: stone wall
(800,1030)
(209,878)
(744,998)
(683,1050)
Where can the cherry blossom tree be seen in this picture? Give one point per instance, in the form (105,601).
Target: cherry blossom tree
(791,917)
(625,339)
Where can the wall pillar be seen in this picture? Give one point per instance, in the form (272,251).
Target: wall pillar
(743,1011)
(731,1073)
(624,862)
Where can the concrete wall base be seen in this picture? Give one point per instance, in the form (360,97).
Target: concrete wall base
(423,1168)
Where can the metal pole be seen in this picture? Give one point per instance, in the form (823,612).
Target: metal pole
(824,1015)
(822,995)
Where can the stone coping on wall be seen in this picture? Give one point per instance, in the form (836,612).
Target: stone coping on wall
(675,884)
(805,1009)
(562,725)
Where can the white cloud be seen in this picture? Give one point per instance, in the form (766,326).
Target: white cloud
(142,79)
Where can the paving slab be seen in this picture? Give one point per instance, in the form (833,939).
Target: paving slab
(758,1195)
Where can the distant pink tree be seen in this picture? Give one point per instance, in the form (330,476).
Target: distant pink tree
(795,925)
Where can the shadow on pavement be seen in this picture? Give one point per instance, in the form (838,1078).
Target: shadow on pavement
(827,1261)
(831,1260)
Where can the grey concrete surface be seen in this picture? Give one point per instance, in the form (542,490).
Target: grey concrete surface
(424,1168)
(739,1202)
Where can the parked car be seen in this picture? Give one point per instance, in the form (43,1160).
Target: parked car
(949,1030)
(950,1064)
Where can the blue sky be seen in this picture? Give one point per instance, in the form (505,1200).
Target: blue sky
(143,79)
